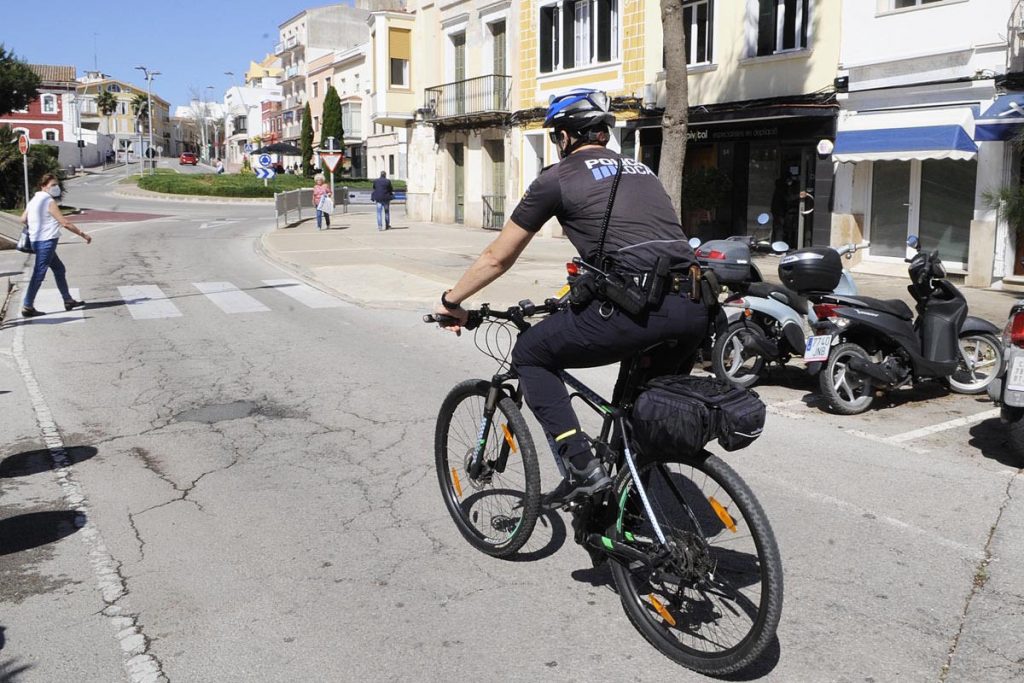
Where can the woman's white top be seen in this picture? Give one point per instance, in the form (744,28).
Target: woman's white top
(41,225)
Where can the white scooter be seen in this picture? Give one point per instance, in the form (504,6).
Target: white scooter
(1007,391)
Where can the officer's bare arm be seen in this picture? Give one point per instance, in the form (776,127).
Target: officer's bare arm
(493,262)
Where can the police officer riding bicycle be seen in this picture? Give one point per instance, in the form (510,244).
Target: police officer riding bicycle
(616,213)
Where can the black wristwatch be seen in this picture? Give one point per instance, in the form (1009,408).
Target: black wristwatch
(448,304)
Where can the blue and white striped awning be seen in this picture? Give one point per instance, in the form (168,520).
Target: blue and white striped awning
(903,135)
(1002,120)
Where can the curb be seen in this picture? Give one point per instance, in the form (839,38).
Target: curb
(302,272)
(7,289)
(139,193)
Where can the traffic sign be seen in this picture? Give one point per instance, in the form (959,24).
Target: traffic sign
(265,173)
(248,148)
(265,160)
(331,159)
(23,143)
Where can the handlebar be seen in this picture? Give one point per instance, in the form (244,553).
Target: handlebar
(515,314)
(850,249)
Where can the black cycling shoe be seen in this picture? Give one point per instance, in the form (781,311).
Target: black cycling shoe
(585,481)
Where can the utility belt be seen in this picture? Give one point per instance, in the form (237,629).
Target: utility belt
(635,292)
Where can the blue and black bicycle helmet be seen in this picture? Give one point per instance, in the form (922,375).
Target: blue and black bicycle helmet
(579,110)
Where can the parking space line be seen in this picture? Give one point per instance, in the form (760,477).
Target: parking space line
(943,426)
(887,440)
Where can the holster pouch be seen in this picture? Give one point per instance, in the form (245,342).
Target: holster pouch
(582,289)
(658,282)
(624,293)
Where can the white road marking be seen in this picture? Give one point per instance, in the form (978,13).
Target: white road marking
(148,302)
(887,441)
(140,665)
(217,224)
(943,426)
(52,303)
(229,298)
(304,294)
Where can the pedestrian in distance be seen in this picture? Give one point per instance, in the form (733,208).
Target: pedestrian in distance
(322,197)
(383,194)
(219,165)
(44,221)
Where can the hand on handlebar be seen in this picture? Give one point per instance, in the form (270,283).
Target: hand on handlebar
(451,320)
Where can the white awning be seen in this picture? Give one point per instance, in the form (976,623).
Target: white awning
(904,135)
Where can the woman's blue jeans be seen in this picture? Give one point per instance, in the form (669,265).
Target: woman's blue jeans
(46,257)
(320,217)
(383,214)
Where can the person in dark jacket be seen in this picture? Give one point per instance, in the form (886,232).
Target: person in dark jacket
(383,193)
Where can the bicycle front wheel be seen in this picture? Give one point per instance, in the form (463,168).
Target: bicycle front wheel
(497,509)
(713,600)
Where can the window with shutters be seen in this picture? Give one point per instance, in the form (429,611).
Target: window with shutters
(782,26)
(578,33)
(399,52)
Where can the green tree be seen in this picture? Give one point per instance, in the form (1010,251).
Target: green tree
(106,103)
(332,120)
(140,107)
(306,141)
(19,84)
(41,159)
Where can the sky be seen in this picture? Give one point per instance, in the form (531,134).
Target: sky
(190,42)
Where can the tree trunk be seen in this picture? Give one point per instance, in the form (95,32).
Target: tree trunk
(676,116)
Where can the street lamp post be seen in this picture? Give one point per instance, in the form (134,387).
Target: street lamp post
(206,121)
(149,106)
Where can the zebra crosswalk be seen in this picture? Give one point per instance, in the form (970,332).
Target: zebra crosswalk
(151,302)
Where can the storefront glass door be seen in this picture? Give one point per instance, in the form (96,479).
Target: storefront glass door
(933,199)
(890,208)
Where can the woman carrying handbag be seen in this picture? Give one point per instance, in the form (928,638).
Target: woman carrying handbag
(44,221)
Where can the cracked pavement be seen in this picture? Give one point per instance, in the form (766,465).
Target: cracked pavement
(265,486)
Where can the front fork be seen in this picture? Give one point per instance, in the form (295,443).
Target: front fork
(476,465)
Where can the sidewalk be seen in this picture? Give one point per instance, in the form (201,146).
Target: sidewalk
(411,264)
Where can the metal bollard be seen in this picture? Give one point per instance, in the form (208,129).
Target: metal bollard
(344,199)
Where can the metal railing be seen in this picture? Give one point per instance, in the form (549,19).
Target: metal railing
(494,211)
(1014,38)
(481,95)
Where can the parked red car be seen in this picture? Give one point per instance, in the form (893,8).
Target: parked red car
(188,158)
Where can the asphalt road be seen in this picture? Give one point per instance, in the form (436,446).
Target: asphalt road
(247,493)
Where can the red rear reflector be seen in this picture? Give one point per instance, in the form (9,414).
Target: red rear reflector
(714,255)
(822,311)
(1017,330)
(572,269)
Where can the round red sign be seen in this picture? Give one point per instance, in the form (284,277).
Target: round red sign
(23,143)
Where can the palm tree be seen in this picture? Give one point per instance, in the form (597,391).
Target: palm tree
(674,121)
(106,103)
(140,106)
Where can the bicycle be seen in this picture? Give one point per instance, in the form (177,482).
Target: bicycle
(690,547)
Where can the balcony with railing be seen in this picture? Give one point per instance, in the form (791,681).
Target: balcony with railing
(1015,39)
(478,98)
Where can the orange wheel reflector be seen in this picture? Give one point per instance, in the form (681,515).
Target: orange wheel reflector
(662,611)
(723,514)
(508,437)
(456,482)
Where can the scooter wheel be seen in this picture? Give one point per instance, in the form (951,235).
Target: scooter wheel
(847,392)
(731,361)
(981,357)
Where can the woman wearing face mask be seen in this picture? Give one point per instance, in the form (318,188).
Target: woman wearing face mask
(44,223)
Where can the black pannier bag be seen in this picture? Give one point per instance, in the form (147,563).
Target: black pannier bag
(682,414)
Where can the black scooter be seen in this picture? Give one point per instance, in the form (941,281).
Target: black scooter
(878,345)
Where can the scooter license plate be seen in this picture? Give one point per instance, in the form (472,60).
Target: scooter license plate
(1015,378)
(817,348)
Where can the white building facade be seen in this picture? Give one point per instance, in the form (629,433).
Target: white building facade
(911,154)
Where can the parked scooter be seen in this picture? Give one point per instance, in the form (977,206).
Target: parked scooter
(1007,390)
(768,323)
(873,345)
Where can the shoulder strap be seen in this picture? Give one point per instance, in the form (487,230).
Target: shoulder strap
(608,212)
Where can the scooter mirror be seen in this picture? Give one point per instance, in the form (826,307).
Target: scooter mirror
(780,247)
(763,218)
(913,242)
(694,242)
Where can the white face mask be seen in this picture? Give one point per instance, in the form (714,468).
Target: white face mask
(53,191)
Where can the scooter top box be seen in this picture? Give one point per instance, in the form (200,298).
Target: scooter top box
(728,259)
(816,269)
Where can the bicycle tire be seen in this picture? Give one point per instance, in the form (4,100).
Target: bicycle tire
(665,624)
(475,514)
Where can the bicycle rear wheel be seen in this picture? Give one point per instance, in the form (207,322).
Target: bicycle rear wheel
(496,510)
(714,603)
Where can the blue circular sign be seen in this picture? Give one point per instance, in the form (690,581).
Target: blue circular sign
(265,160)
